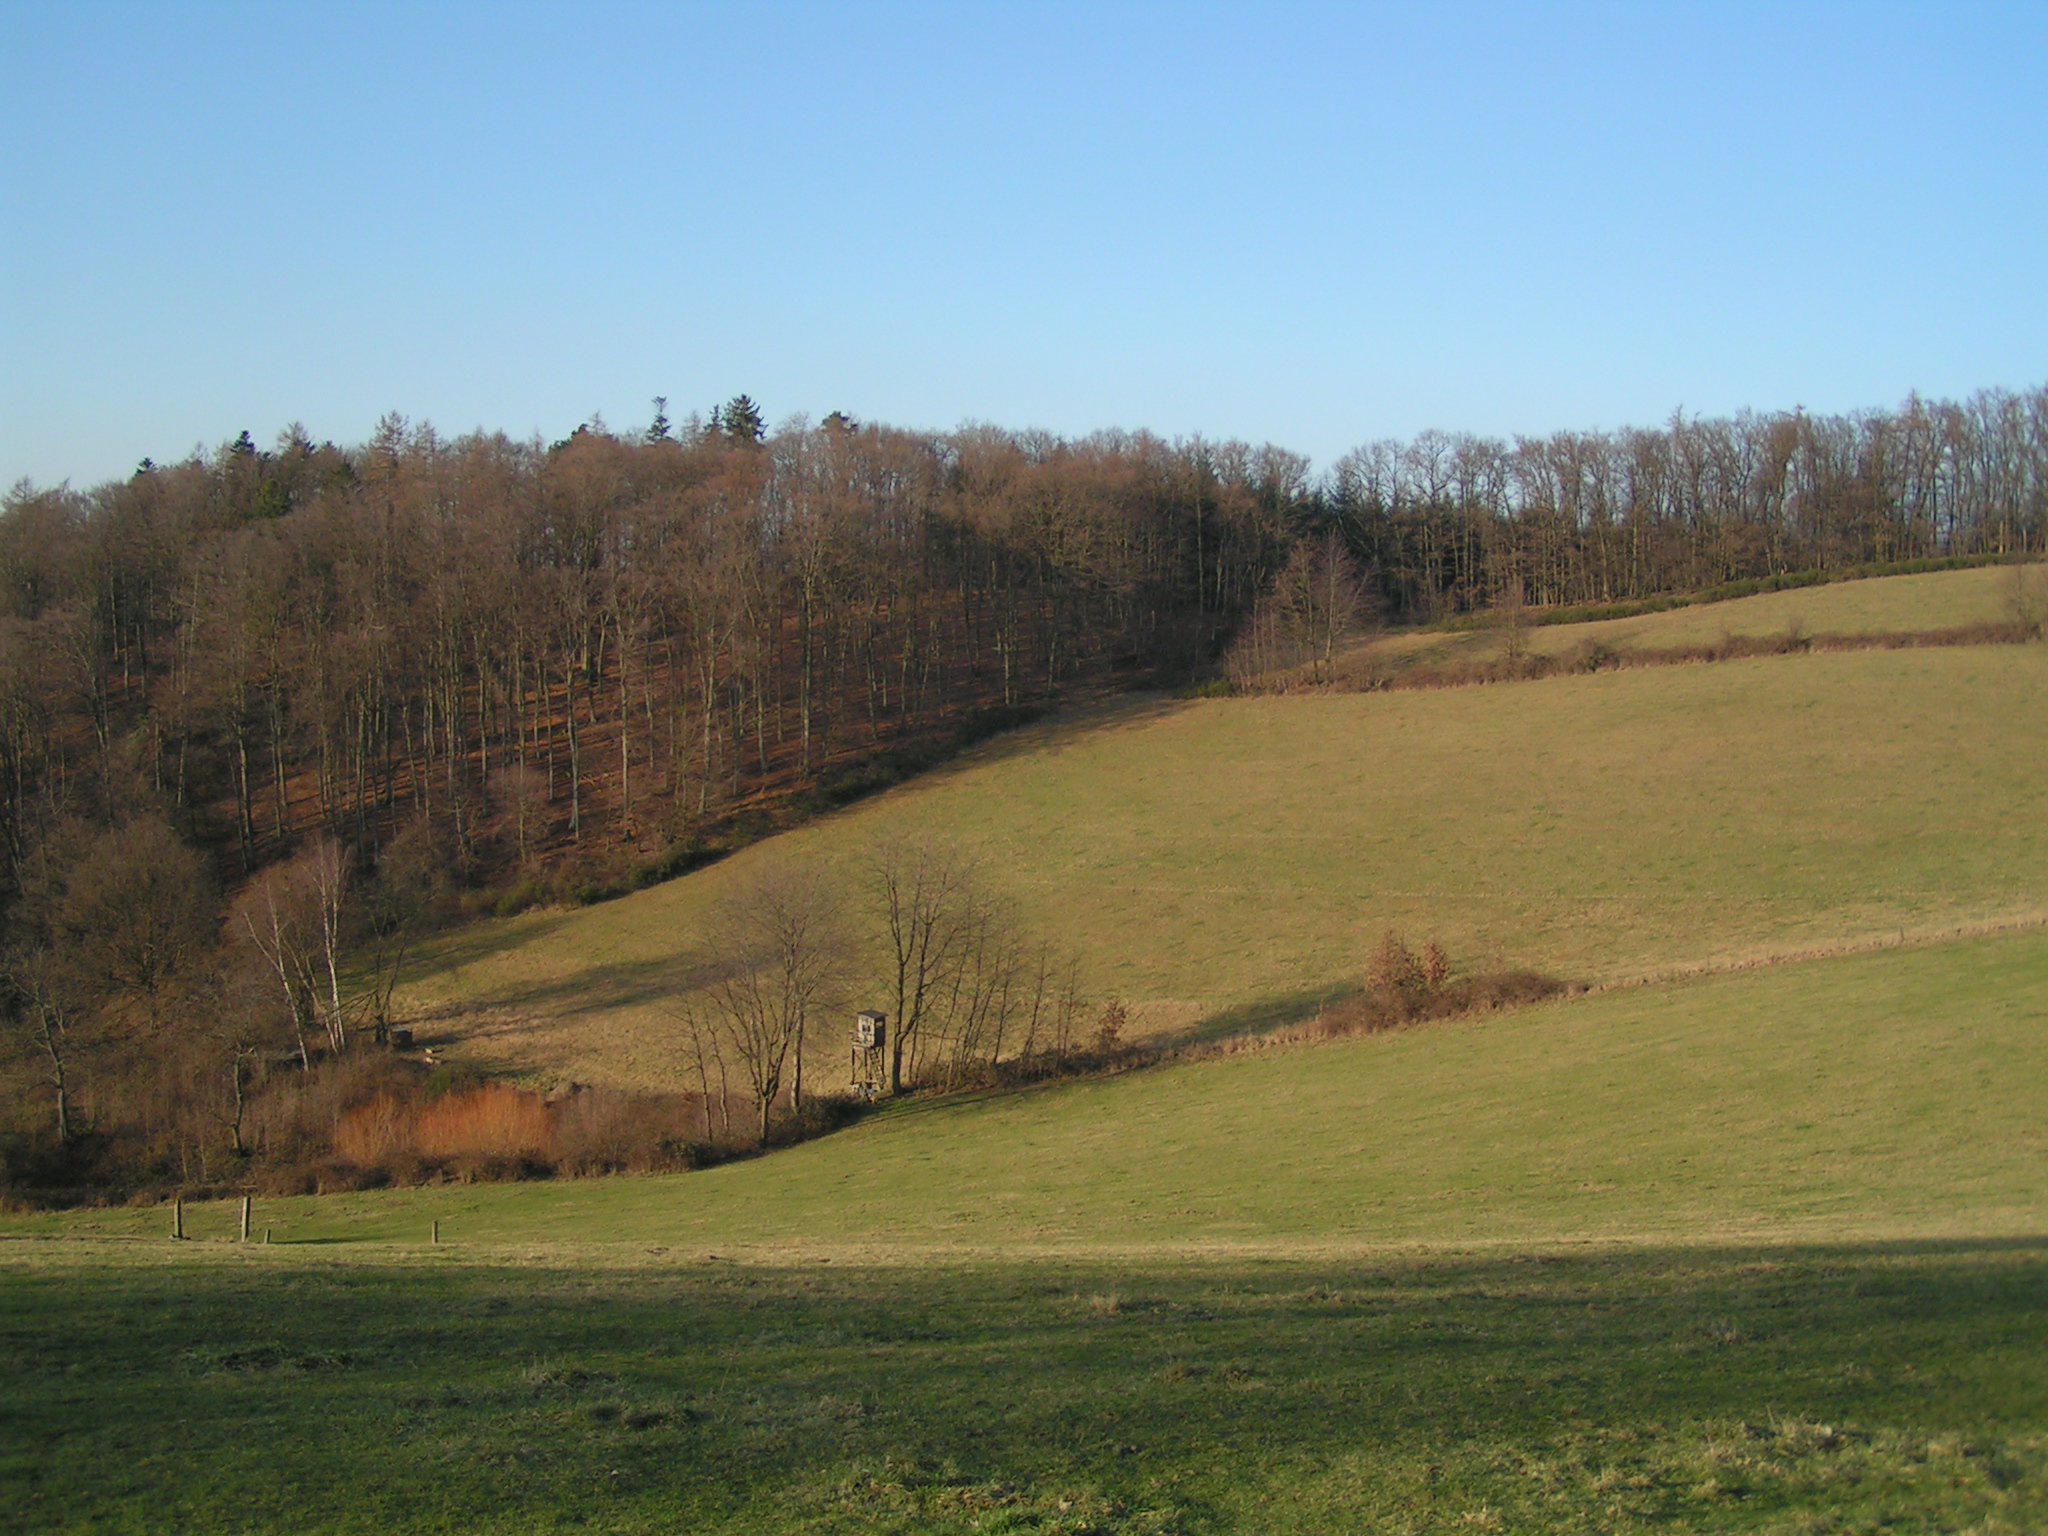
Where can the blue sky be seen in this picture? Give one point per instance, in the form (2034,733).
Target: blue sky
(1315,225)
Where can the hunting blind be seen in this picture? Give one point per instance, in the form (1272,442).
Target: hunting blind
(870,1034)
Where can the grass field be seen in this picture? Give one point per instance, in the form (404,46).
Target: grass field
(1747,1247)
(1893,604)
(1880,1096)
(1758,1251)
(1860,1388)
(1219,862)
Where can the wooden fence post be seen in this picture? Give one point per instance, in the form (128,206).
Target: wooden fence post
(245,1218)
(177,1218)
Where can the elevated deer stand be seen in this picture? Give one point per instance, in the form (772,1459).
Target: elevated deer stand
(870,1032)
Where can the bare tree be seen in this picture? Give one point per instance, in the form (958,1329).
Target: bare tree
(390,912)
(138,909)
(293,913)
(50,1006)
(1313,606)
(780,954)
(927,902)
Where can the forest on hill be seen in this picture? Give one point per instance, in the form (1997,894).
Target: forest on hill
(307,673)
(629,635)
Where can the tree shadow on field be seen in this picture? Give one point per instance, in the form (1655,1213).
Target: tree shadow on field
(1259,1017)
(477,939)
(1062,728)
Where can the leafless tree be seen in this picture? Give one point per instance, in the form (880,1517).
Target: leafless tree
(927,902)
(780,952)
(51,1007)
(292,913)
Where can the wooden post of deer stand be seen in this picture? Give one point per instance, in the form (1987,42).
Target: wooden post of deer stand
(177,1218)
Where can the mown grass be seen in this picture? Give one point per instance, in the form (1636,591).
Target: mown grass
(1212,856)
(1836,1388)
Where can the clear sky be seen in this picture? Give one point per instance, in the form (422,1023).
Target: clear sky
(1314,225)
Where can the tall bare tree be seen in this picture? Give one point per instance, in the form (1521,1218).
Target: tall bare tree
(780,952)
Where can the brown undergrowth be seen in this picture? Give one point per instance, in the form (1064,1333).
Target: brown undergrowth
(378,1119)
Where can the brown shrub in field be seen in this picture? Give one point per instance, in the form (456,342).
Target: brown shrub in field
(293,1114)
(1395,974)
(601,1130)
(1404,986)
(492,1121)
(372,1132)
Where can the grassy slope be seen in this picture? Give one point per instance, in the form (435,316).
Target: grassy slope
(1331,1288)
(1886,1095)
(1937,600)
(1751,1251)
(1225,860)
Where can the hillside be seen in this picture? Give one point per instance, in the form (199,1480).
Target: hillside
(1757,1248)
(1877,1096)
(1224,863)
(1914,604)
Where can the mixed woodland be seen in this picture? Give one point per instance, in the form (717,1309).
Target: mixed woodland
(269,712)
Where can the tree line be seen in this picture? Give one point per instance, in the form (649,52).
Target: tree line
(627,636)
(617,638)
(1449,523)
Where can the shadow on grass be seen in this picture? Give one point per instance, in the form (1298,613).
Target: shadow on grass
(1259,1017)
(480,939)
(1868,1385)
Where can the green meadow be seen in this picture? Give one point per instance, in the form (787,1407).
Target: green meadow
(1754,1251)
(1846,1387)
(1887,1095)
(1751,1236)
(1219,862)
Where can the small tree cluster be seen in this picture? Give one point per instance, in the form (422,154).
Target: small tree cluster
(965,988)
(1315,604)
(1404,978)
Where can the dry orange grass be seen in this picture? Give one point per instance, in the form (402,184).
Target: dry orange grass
(491,1121)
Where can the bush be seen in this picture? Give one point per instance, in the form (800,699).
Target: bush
(1109,1028)
(1394,972)
(601,1130)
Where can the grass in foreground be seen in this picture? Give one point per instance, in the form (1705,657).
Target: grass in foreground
(1760,1251)
(1227,855)
(1841,1388)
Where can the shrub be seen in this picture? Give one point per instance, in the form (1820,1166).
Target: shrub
(1109,1029)
(492,1121)
(601,1130)
(1392,970)
(374,1131)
